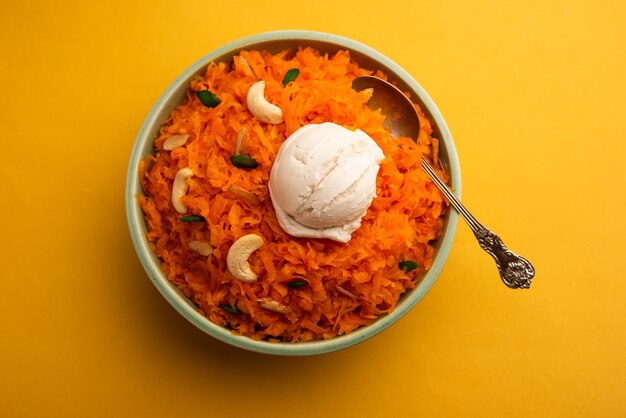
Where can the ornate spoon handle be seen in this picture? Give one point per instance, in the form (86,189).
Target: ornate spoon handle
(515,271)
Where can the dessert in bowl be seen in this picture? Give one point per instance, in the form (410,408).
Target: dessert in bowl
(271,206)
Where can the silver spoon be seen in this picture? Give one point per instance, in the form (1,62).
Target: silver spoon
(402,119)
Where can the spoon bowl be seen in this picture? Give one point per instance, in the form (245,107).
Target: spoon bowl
(401,118)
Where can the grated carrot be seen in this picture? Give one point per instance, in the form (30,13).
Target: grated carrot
(401,223)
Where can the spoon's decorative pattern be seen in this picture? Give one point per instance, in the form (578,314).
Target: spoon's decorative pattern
(515,271)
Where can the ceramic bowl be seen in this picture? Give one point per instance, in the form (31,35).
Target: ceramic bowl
(275,42)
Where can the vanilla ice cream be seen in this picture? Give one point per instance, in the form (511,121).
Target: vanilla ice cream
(323,181)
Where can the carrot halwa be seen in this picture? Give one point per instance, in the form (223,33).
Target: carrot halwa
(307,289)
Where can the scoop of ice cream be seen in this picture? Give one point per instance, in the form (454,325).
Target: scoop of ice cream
(323,181)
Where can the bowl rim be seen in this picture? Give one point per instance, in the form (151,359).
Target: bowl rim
(151,264)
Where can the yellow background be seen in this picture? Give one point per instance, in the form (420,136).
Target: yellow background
(534,94)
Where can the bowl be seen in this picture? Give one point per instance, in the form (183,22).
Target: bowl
(175,94)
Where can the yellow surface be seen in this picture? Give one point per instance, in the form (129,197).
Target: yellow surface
(534,94)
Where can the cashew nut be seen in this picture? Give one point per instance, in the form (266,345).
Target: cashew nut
(179,189)
(261,108)
(201,247)
(237,258)
(175,141)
